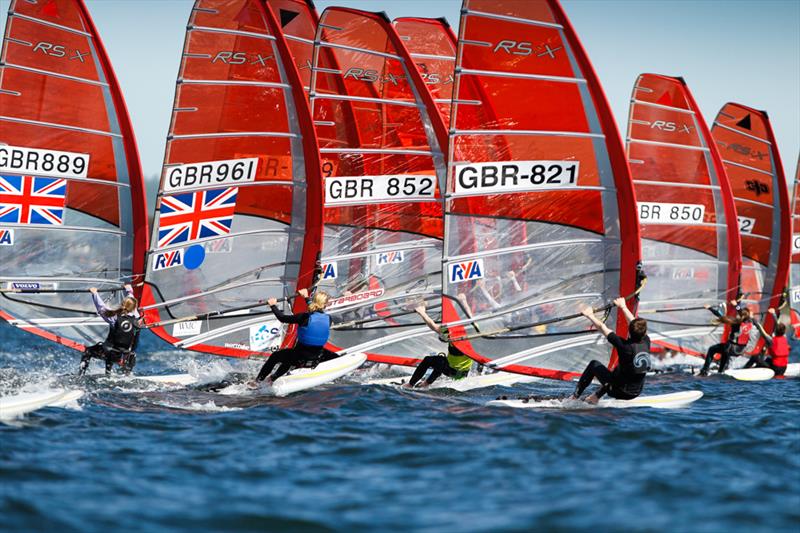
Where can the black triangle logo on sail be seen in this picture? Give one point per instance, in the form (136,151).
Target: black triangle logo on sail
(745,123)
(287,17)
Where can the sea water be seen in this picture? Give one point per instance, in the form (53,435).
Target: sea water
(347,457)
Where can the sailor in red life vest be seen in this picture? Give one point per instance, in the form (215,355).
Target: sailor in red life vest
(626,381)
(777,347)
(123,334)
(740,328)
(313,333)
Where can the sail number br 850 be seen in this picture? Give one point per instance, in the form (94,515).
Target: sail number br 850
(514,176)
(668,213)
(341,190)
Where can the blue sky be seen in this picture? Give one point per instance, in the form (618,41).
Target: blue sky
(742,51)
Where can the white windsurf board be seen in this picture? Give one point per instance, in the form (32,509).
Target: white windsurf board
(672,400)
(26,402)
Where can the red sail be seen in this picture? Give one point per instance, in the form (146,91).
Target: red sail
(298,22)
(690,238)
(794,277)
(72,211)
(238,216)
(540,213)
(747,145)
(381,143)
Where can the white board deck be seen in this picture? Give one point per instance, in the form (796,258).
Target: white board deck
(505,379)
(26,402)
(750,374)
(304,378)
(660,401)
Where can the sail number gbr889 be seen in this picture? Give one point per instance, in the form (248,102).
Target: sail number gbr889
(514,176)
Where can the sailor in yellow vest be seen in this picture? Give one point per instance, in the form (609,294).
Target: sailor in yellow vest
(456,364)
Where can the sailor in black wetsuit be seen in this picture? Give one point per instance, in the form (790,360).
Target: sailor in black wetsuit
(123,334)
(626,381)
(739,336)
(313,333)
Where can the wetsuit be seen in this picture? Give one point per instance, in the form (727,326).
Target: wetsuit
(120,344)
(735,345)
(626,381)
(456,364)
(309,350)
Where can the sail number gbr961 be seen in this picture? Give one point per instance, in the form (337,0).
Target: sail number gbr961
(514,176)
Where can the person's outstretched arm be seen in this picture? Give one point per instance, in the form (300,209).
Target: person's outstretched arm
(588,312)
(100,306)
(283,317)
(620,302)
(420,310)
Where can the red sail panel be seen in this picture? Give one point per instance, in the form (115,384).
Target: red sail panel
(750,154)
(72,202)
(298,21)
(432,45)
(794,277)
(381,144)
(241,165)
(539,215)
(690,241)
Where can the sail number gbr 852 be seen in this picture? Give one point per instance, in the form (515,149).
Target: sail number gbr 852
(341,190)
(514,176)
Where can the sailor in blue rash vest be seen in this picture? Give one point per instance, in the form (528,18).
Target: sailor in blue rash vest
(313,333)
(123,335)
(626,381)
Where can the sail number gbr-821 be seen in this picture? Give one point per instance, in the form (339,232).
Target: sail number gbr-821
(340,190)
(669,213)
(514,176)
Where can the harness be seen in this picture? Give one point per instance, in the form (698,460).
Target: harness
(123,334)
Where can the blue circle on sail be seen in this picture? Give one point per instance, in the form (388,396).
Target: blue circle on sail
(194,256)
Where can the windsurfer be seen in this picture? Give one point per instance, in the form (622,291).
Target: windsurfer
(777,347)
(456,364)
(123,334)
(313,333)
(739,336)
(626,381)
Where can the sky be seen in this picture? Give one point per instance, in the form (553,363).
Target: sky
(742,51)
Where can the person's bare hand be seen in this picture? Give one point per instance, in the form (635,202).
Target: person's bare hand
(620,302)
(303,292)
(93,290)
(272,301)
(587,311)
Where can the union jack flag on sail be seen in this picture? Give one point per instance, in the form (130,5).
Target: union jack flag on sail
(196,215)
(32,200)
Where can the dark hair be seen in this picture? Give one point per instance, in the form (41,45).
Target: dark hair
(780,329)
(637,329)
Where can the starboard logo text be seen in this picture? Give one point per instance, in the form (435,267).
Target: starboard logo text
(165,260)
(6,237)
(358,297)
(465,271)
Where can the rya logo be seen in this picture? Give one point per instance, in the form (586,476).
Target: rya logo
(165,260)
(329,270)
(6,237)
(466,271)
(390,258)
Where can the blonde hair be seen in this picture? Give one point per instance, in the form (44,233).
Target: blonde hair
(319,302)
(127,307)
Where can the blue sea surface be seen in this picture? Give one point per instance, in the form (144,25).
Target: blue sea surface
(347,457)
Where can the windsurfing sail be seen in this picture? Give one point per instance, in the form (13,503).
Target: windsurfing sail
(241,166)
(690,238)
(748,149)
(539,212)
(432,45)
(298,21)
(794,278)
(381,143)
(72,201)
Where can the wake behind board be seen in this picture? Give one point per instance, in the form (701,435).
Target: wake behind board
(498,379)
(306,378)
(660,401)
(168,379)
(26,402)
(750,374)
